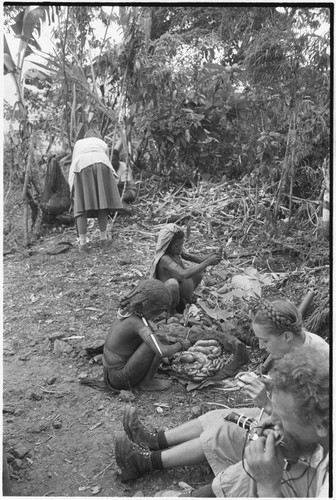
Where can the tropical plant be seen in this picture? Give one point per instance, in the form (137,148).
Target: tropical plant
(211,90)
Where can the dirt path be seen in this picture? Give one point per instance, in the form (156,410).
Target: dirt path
(58,434)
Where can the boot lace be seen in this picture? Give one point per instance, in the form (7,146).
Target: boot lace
(141,448)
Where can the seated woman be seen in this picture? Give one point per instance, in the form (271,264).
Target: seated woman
(170,266)
(132,351)
(278,326)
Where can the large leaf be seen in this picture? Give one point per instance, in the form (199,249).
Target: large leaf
(46,69)
(24,27)
(34,73)
(215,313)
(264,279)
(9,64)
(249,284)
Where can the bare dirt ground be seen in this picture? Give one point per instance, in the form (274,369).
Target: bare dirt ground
(58,434)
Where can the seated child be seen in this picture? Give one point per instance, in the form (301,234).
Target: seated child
(169,266)
(132,350)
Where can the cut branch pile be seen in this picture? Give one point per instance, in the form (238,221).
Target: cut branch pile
(231,205)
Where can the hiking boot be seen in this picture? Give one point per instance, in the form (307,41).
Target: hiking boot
(137,432)
(132,459)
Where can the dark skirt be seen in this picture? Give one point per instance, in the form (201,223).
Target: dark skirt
(95,188)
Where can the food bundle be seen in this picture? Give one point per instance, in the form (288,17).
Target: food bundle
(202,360)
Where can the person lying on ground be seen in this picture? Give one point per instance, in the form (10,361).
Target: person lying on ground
(132,350)
(182,272)
(208,438)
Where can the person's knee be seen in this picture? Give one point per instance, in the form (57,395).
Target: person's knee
(198,278)
(174,288)
(173,285)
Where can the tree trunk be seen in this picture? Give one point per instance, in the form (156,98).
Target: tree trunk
(25,191)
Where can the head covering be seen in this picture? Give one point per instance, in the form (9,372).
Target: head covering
(148,299)
(164,239)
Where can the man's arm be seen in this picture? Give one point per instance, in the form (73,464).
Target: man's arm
(198,259)
(191,257)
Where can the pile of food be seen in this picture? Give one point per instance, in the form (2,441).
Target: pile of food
(202,360)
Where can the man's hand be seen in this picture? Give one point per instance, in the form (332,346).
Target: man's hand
(266,464)
(256,389)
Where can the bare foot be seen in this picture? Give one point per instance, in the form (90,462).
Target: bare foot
(155,384)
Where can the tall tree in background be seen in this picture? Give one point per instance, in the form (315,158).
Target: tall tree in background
(210,90)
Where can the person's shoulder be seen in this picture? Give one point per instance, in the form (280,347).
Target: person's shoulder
(313,339)
(97,140)
(133,321)
(79,143)
(166,258)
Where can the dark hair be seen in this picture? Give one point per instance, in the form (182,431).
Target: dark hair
(115,152)
(304,373)
(92,133)
(177,236)
(278,317)
(149,298)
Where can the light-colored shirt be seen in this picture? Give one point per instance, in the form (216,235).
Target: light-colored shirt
(315,340)
(87,152)
(124,173)
(322,482)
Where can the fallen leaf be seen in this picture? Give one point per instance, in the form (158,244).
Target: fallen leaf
(185,486)
(252,271)
(199,385)
(215,313)
(249,284)
(96,489)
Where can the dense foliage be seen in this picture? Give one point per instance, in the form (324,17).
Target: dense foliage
(205,91)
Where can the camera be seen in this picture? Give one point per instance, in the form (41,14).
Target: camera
(250,425)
